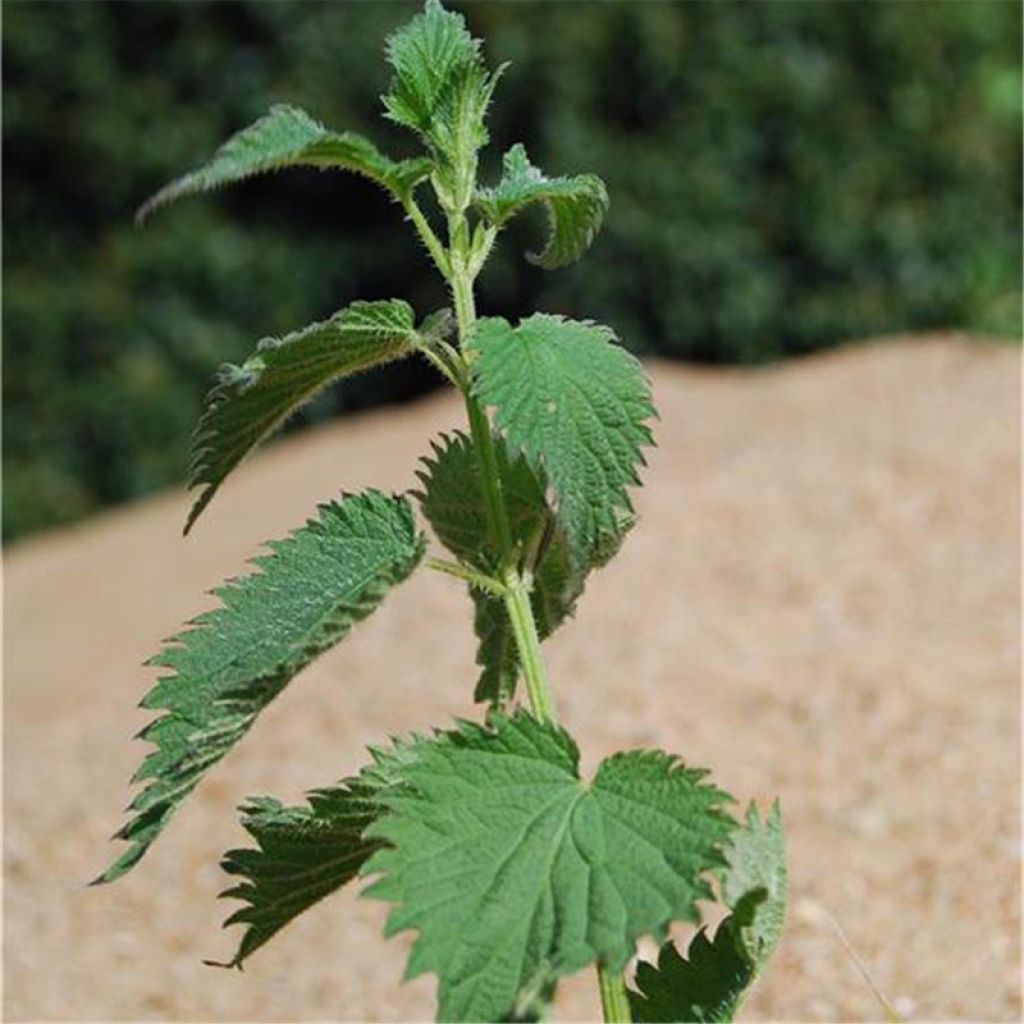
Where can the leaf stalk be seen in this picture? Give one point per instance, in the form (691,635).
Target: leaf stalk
(471,576)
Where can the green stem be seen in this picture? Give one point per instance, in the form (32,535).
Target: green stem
(517,601)
(517,596)
(430,240)
(614,1002)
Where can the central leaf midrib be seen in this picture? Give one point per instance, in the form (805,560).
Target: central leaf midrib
(554,848)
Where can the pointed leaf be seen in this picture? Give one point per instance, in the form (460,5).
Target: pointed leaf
(442,90)
(304,599)
(249,402)
(515,872)
(289,137)
(574,402)
(303,854)
(575,206)
(428,54)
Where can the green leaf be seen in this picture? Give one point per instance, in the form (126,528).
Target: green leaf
(757,874)
(570,400)
(706,987)
(249,402)
(516,872)
(441,89)
(303,854)
(497,655)
(289,137)
(575,206)
(428,54)
(308,593)
(452,501)
(712,982)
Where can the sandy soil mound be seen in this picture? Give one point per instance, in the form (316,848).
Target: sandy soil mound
(821,603)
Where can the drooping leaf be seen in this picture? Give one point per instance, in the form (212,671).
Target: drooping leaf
(249,402)
(575,206)
(757,874)
(514,871)
(304,853)
(452,501)
(707,987)
(305,597)
(289,137)
(441,89)
(575,403)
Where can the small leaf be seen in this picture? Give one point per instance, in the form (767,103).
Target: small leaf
(573,402)
(305,597)
(515,872)
(707,987)
(249,402)
(289,137)
(496,654)
(452,501)
(757,873)
(442,90)
(428,55)
(576,206)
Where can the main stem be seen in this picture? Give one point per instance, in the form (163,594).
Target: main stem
(517,596)
(614,1003)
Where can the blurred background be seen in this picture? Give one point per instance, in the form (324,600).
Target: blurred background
(784,177)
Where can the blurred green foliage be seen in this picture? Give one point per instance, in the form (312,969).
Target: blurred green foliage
(784,176)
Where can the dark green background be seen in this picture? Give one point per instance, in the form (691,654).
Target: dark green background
(784,176)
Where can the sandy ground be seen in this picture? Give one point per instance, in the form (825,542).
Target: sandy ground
(821,603)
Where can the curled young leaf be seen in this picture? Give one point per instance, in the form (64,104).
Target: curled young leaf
(712,982)
(575,206)
(453,503)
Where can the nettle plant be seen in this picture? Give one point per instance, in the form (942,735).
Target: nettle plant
(513,870)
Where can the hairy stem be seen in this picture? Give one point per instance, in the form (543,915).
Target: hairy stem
(517,601)
(614,1003)
(517,595)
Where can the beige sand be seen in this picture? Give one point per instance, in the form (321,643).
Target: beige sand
(821,603)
